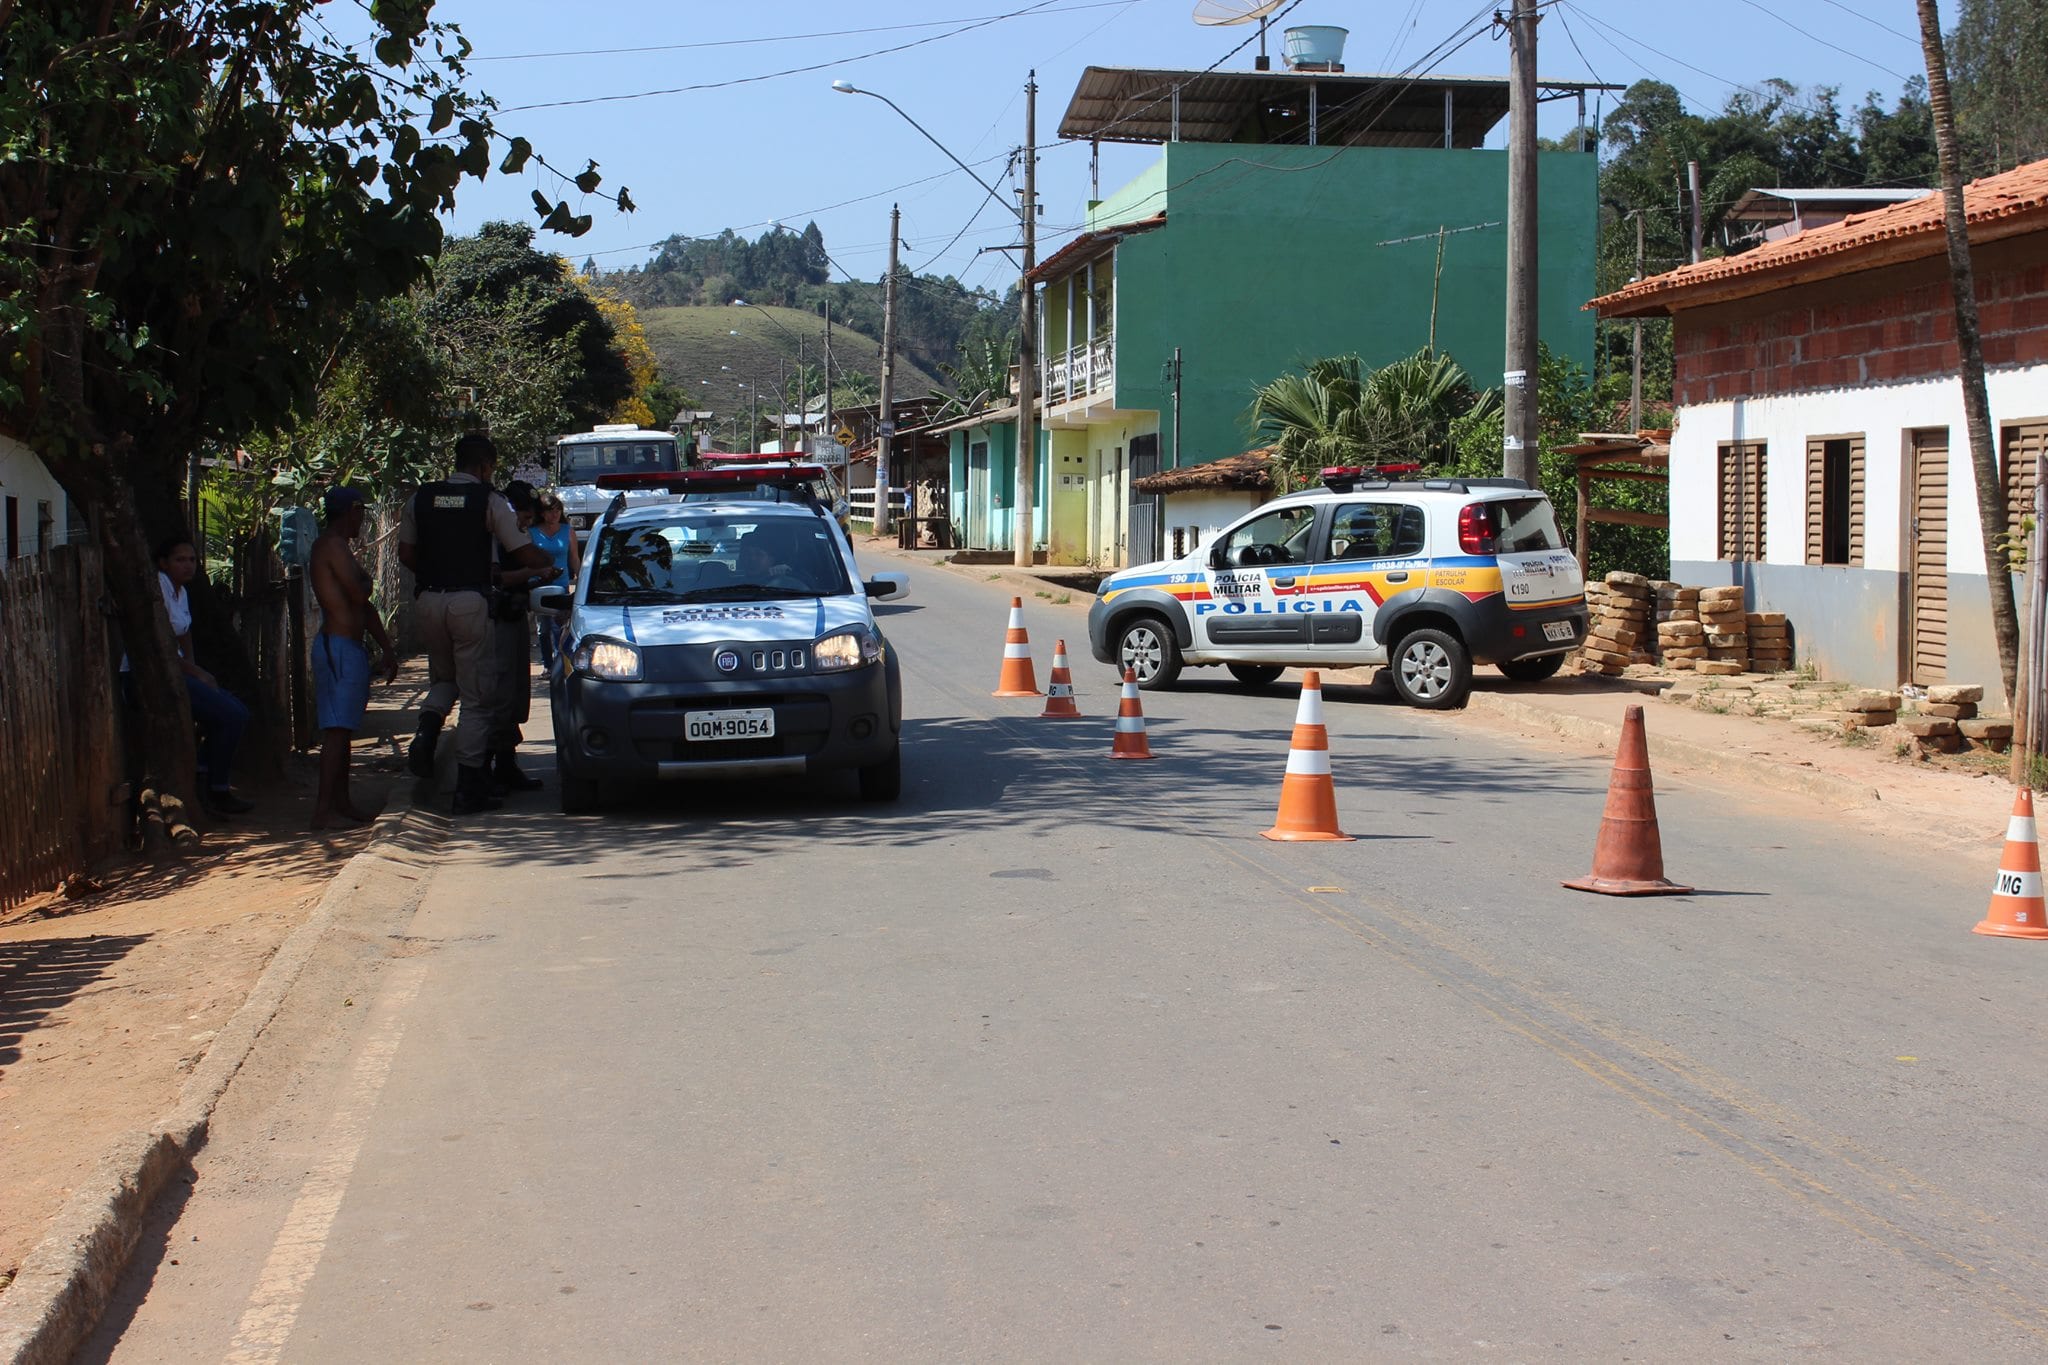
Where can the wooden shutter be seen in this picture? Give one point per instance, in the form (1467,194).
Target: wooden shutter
(1856,501)
(1929,560)
(1742,501)
(2023,443)
(1817,499)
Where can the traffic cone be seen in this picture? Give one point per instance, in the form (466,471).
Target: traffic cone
(2016,908)
(1628,857)
(1059,693)
(1017,679)
(1130,722)
(1308,798)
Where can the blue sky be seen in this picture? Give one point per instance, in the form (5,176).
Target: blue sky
(788,148)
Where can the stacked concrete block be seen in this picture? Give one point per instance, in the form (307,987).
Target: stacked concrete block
(1770,642)
(1871,709)
(1620,629)
(1726,627)
(1681,639)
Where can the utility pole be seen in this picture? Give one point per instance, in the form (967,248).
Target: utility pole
(1991,519)
(1692,182)
(1027,343)
(1518,382)
(828,428)
(885,429)
(1635,382)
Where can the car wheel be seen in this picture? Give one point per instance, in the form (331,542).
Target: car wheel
(883,781)
(1255,675)
(579,794)
(1432,670)
(1146,646)
(1532,670)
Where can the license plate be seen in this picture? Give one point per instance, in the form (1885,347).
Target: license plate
(1557,630)
(757,723)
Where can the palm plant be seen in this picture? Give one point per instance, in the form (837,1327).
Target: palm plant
(1333,411)
(981,377)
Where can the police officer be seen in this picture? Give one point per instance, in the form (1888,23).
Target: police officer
(447,537)
(512,648)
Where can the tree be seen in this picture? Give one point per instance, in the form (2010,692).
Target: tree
(1334,412)
(629,340)
(195,198)
(981,378)
(1999,49)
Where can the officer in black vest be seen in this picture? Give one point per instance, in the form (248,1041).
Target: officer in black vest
(447,537)
(512,646)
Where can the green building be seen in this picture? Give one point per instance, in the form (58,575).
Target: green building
(1290,215)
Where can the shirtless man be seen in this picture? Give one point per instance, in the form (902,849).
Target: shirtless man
(341,666)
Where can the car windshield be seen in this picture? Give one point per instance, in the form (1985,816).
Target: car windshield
(584,461)
(728,558)
(1526,525)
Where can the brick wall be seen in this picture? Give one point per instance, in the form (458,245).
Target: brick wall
(1873,327)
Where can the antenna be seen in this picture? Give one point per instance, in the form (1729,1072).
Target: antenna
(1224,13)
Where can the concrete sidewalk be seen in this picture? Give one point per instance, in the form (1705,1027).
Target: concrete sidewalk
(1960,803)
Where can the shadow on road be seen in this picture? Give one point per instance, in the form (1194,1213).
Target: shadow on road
(37,976)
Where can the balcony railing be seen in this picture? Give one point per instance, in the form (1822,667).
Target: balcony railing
(1081,371)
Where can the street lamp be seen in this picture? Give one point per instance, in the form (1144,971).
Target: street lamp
(1026,212)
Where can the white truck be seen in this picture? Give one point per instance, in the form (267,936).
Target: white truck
(581,458)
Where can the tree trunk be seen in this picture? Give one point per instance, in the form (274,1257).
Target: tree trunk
(1991,519)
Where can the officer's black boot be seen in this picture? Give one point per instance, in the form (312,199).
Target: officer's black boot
(419,755)
(473,791)
(505,774)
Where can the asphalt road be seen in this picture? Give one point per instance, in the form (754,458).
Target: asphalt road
(1058,1060)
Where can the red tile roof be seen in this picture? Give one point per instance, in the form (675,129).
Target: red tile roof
(1253,469)
(1997,206)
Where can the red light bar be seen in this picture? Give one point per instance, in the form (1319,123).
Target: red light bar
(727,478)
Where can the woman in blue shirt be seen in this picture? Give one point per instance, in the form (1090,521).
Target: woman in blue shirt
(557,539)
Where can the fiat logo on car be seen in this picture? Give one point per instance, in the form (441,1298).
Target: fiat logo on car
(728,661)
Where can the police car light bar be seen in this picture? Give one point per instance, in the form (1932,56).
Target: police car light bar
(729,478)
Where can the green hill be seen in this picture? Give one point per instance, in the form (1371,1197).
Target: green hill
(700,355)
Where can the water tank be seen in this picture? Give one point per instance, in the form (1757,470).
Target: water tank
(1316,47)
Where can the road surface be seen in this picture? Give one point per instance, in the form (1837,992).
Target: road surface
(1058,1060)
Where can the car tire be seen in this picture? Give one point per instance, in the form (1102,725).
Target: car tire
(883,781)
(1532,670)
(1145,645)
(1431,669)
(1256,675)
(579,794)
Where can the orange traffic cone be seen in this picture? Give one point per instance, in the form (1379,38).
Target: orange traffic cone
(1130,722)
(2016,908)
(1308,798)
(1059,693)
(1017,679)
(1628,857)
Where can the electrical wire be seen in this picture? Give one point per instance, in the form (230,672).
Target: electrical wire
(1815,37)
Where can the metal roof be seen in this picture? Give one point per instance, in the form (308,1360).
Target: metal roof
(1128,104)
(1778,205)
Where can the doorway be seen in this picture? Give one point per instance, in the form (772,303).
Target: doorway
(977,495)
(1927,558)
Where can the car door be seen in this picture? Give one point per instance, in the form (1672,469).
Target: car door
(1371,551)
(1255,573)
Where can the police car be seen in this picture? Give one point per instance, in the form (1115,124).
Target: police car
(1429,577)
(721,638)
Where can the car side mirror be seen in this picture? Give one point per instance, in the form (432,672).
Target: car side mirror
(884,587)
(549,601)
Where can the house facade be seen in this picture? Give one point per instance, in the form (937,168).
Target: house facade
(35,512)
(1289,215)
(1819,455)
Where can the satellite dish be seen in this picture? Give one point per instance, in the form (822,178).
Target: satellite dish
(1223,13)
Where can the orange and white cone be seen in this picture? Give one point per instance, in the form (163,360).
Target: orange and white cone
(2016,907)
(1017,679)
(1130,722)
(1308,797)
(1059,693)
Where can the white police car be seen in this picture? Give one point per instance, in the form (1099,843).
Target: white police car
(1430,577)
(723,638)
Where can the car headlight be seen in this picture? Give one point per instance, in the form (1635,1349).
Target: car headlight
(846,649)
(611,660)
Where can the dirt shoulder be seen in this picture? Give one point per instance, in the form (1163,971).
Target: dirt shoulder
(107,1003)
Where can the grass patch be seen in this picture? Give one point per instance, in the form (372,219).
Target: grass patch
(1063,599)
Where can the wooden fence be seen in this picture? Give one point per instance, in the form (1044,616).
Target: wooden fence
(60,750)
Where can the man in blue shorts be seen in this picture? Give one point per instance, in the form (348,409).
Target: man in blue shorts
(341,665)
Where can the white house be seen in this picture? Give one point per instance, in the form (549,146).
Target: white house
(1819,454)
(35,514)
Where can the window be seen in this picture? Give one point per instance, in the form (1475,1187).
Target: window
(1742,500)
(1376,530)
(1834,500)
(1278,537)
(2020,449)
